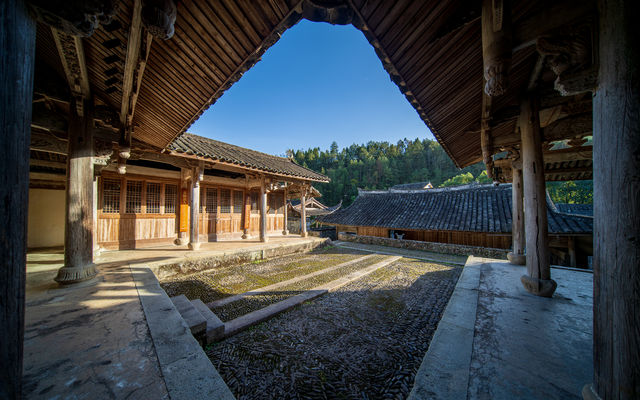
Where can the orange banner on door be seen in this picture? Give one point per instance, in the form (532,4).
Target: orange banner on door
(184,211)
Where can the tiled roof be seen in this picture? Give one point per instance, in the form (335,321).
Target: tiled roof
(189,143)
(578,209)
(474,208)
(413,186)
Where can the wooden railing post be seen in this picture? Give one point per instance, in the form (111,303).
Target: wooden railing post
(79,228)
(516,256)
(17,55)
(538,278)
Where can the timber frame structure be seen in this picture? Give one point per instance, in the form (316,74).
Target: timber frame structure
(490,79)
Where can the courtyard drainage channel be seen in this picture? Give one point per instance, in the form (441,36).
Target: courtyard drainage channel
(365,339)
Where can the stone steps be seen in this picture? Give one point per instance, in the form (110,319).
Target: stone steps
(215,327)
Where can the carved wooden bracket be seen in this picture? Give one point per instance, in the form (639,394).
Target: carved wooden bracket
(78,18)
(159,17)
(496,45)
(571,57)
(71,54)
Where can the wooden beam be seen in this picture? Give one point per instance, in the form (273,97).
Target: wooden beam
(569,154)
(575,126)
(17,58)
(47,163)
(550,19)
(47,142)
(128,79)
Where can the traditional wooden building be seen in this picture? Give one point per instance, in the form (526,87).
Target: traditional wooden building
(149,204)
(487,78)
(471,215)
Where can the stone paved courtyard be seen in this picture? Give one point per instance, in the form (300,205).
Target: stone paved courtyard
(364,340)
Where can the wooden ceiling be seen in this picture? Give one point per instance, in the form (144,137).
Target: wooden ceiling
(431,49)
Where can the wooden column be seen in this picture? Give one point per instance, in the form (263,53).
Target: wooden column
(516,256)
(538,278)
(96,246)
(79,228)
(285,231)
(194,239)
(616,205)
(183,195)
(571,248)
(247,214)
(303,212)
(17,54)
(263,210)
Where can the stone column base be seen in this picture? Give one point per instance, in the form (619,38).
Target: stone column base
(589,393)
(181,241)
(194,245)
(69,275)
(516,259)
(304,234)
(285,232)
(245,235)
(539,287)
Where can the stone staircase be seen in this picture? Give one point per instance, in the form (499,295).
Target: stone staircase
(205,326)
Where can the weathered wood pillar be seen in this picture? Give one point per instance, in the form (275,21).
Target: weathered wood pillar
(79,228)
(285,230)
(194,237)
(17,54)
(96,246)
(303,212)
(616,206)
(263,210)
(247,215)
(571,248)
(185,177)
(538,278)
(516,256)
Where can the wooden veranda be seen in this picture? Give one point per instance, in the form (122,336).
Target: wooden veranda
(498,81)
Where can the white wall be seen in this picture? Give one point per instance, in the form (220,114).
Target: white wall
(46,218)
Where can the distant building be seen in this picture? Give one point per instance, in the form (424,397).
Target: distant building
(473,215)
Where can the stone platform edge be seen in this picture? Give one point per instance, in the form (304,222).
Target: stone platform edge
(186,369)
(205,260)
(444,372)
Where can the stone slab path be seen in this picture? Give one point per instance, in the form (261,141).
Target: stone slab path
(275,286)
(417,254)
(241,323)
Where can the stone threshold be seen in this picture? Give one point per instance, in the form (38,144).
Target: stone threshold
(246,321)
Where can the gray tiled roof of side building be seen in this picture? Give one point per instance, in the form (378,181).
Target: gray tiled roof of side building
(189,143)
(473,208)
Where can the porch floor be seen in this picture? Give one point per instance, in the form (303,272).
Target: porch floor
(497,341)
(118,336)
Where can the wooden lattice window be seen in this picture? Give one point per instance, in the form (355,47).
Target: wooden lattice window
(238,202)
(111,196)
(255,202)
(153,198)
(170,198)
(212,200)
(225,201)
(134,197)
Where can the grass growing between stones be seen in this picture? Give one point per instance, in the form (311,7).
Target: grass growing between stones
(256,302)
(219,283)
(366,340)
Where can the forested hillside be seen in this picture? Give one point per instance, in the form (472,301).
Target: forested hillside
(380,165)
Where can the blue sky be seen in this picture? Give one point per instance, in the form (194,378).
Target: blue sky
(317,84)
